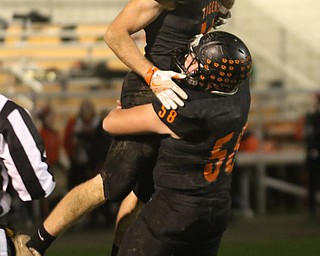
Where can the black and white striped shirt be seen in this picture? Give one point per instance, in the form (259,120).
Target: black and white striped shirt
(22,156)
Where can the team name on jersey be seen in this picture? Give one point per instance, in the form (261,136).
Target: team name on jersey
(212,7)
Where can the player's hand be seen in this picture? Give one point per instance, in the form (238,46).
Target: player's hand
(20,244)
(167,91)
(221,19)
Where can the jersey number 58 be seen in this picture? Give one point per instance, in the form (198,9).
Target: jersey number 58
(220,156)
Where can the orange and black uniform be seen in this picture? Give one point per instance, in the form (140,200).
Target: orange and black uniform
(130,157)
(312,128)
(190,208)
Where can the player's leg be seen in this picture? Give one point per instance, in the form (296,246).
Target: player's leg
(134,202)
(129,159)
(125,162)
(127,214)
(208,219)
(129,155)
(79,201)
(180,225)
(132,205)
(140,240)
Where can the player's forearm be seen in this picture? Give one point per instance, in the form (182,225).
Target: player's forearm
(137,120)
(127,51)
(135,16)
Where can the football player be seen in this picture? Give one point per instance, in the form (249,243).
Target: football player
(168,24)
(190,208)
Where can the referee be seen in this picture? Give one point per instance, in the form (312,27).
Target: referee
(23,162)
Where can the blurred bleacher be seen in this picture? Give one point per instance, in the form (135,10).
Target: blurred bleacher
(60,63)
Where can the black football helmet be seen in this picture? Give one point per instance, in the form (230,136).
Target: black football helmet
(223,60)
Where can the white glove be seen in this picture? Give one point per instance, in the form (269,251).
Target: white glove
(221,19)
(20,244)
(164,88)
(224,13)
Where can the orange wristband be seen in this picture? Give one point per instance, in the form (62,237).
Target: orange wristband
(149,74)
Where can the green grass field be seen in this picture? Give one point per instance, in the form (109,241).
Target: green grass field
(294,247)
(80,252)
(284,235)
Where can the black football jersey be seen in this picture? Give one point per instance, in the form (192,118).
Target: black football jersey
(174,29)
(210,127)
